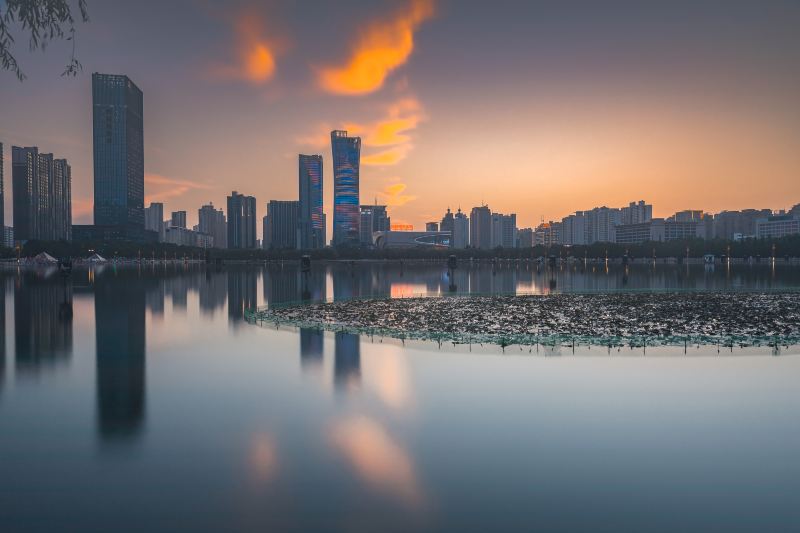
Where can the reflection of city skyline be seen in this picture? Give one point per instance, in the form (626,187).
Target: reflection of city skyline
(42,321)
(242,293)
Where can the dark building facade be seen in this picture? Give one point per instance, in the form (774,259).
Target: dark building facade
(346,164)
(118,136)
(311,218)
(42,189)
(241,221)
(480,228)
(282,224)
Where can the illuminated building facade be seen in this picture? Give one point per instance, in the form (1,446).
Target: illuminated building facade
(311,217)
(346,213)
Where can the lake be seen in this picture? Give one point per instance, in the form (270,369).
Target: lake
(140,399)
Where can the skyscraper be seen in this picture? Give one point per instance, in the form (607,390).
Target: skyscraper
(480,228)
(212,222)
(241,221)
(2,191)
(346,162)
(282,224)
(460,234)
(118,152)
(311,215)
(447,221)
(373,218)
(41,191)
(154,219)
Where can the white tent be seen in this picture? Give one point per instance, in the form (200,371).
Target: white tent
(44,257)
(96,258)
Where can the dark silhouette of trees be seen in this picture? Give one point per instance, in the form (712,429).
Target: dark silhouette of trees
(43,21)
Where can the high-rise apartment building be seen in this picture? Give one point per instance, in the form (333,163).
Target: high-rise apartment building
(241,221)
(41,195)
(211,221)
(574,229)
(636,212)
(601,223)
(346,163)
(178,219)
(480,228)
(282,218)
(504,230)
(154,219)
(447,222)
(311,216)
(460,235)
(118,137)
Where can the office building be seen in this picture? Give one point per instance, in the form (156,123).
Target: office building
(241,221)
(346,163)
(431,226)
(777,226)
(118,140)
(659,230)
(282,221)
(411,239)
(460,237)
(311,216)
(41,195)
(187,237)
(373,218)
(178,219)
(480,228)
(8,236)
(154,219)
(2,189)
(211,221)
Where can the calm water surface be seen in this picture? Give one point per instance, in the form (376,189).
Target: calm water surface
(138,399)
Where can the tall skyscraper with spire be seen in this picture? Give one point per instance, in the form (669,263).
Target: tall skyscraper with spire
(346,213)
(118,136)
(311,218)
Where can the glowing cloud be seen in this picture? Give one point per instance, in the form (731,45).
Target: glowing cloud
(393,195)
(168,187)
(376,458)
(256,54)
(382,47)
(386,157)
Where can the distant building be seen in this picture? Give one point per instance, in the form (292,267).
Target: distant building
(2,189)
(636,212)
(601,223)
(241,221)
(447,221)
(575,229)
(118,140)
(777,226)
(373,218)
(659,230)
(154,219)
(460,230)
(266,232)
(412,239)
(211,221)
(525,238)
(187,237)
(431,226)
(178,219)
(547,234)
(504,230)
(346,164)
(283,224)
(8,236)
(480,228)
(728,224)
(688,215)
(311,216)
(42,189)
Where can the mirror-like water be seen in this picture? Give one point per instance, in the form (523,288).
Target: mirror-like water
(140,399)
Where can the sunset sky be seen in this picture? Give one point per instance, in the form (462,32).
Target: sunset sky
(537,108)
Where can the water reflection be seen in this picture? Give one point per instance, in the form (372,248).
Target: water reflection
(242,293)
(120,303)
(42,320)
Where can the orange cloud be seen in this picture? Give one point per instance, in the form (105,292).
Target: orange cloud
(386,158)
(168,187)
(393,195)
(376,458)
(255,52)
(382,47)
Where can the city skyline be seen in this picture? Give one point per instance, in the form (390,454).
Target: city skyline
(602,111)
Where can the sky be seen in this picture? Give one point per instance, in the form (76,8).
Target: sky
(534,108)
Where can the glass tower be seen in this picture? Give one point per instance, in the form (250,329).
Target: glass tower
(346,212)
(311,217)
(118,151)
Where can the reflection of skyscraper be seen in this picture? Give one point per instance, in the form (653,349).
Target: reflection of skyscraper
(346,163)
(213,291)
(2,329)
(118,130)
(282,286)
(347,360)
(311,217)
(242,293)
(311,346)
(119,306)
(42,322)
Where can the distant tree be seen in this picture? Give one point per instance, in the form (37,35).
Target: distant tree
(42,21)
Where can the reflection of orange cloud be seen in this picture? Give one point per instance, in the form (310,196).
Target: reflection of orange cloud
(381,48)
(393,195)
(256,54)
(376,458)
(170,187)
(263,456)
